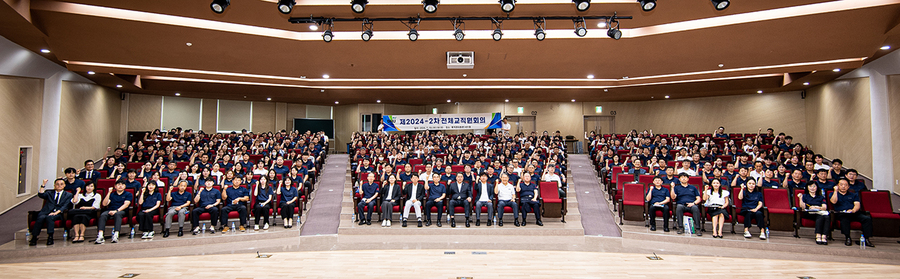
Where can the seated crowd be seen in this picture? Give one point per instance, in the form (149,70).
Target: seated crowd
(727,175)
(433,172)
(184,173)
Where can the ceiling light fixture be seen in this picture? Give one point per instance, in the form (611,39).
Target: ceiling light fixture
(326,76)
(430,6)
(413,35)
(647,5)
(458,26)
(118,86)
(507,5)
(539,29)
(573,100)
(601,24)
(313,27)
(497,34)
(507,100)
(412,25)
(806,83)
(758,91)
(358,6)
(45,50)
(448,100)
(268,99)
(836,70)
(580,29)
(885,47)
(336,102)
(218,6)
(721,4)
(177,94)
(328,35)
(667,96)
(378,101)
(613,26)
(91,72)
(590,76)
(582,5)
(286,6)
(188,44)
(367,30)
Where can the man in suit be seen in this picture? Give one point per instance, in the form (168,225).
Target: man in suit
(88,173)
(55,203)
(460,196)
(415,194)
(484,196)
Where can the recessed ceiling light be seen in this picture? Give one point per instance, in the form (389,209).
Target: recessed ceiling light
(667,96)
(268,99)
(573,100)
(836,70)
(590,76)
(378,101)
(118,86)
(602,24)
(91,72)
(188,44)
(651,97)
(177,94)
(326,76)
(806,83)
(885,47)
(45,50)
(448,101)
(721,65)
(313,27)
(507,100)
(625,77)
(465,75)
(336,102)
(758,91)
(323,90)
(605,90)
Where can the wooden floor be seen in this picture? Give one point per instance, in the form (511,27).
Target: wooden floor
(437,264)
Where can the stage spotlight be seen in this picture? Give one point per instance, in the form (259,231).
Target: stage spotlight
(367,30)
(614,33)
(721,4)
(430,5)
(219,6)
(580,29)
(647,5)
(459,35)
(507,5)
(539,34)
(413,35)
(497,34)
(582,5)
(327,36)
(358,6)
(367,35)
(285,6)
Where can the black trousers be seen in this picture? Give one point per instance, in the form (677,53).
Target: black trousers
(44,220)
(213,216)
(82,216)
(822,222)
(750,215)
(451,209)
(368,207)
(529,205)
(863,219)
(261,211)
(287,210)
(665,214)
(440,209)
(242,213)
(145,220)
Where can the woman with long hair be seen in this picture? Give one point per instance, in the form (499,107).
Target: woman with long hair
(716,202)
(289,196)
(150,200)
(263,202)
(812,202)
(85,205)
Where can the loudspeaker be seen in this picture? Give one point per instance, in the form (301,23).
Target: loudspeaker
(803,94)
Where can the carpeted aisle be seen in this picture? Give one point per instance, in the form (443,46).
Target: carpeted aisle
(596,216)
(325,210)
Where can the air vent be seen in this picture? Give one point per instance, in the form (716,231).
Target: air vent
(460,59)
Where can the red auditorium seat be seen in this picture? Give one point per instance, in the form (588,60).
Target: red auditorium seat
(884,221)
(780,216)
(736,208)
(552,205)
(457,168)
(633,201)
(798,216)
(415,162)
(616,193)
(134,166)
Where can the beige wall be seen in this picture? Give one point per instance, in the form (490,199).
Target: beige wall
(88,123)
(264,117)
(294,111)
(208,123)
(20,101)
(144,112)
(894,108)
(839,121)
(346,121)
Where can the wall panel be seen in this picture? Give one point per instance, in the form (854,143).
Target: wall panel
(144,112)
(88,123)
(894,95)
(20,101)
(839,121)
(180,112)
(233,115)
(264,117)
(294,111)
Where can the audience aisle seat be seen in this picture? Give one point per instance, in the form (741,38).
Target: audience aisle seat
(552,206)
(885,222)
(798,214)
(780,215)
(616,193)
(631,206)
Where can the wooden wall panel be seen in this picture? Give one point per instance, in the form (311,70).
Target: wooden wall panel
(294,111)
(88,123)
(281,116)
(346,121)
(263,117)
(209,121)
(839,121)
(144,112)
(390,109)
(20,101)
(894,96)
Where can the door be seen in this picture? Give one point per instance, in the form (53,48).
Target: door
(521,124)
(600,124)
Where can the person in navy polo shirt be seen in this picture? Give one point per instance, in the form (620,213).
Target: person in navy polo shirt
(369,193)
(289,195)
(436,194)
(72,182)
(178,204)
(170,173)
(855,186)
(131,180)
(658,198)
(822,181)
(751,208)
(150,200)
(528,196)
(687,198)
(264,198)
(847,209)
(795,181)
(236,198)
(279,166)
(116,202)
(206,200)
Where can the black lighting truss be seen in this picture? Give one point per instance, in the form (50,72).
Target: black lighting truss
(323,20)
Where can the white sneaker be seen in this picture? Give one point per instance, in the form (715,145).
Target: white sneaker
(100,239)
(144,235)
(266,226)
(389,223)
(115,237)
(747,234)
(255,227)
(762,236)
(150,235)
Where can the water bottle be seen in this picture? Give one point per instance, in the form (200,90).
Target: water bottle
(495,218)
(298,220)
(232,226)
(862,241)
(204,227)
(132,233)
(27,233)
(767,232)
(65,234)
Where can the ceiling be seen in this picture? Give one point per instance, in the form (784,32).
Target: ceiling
(682,48)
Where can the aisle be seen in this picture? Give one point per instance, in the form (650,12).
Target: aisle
(325,210)
(596,217)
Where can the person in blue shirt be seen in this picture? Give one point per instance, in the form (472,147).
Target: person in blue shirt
(813,207)
(742,178)
(406,173)
(263,202)
(170,173)
(751,208)
(670,178)
(368,193)
(150,200)
(207,200)
(436,194)
(658,199)
(847,209)
(116,202)
(768,180)
(528,195)
(72,182)
(178,205)
(687,198)
(854,185)
(448,175)
(795,181)
(279,166)
(131,181)
(822,182)
(236,198)
(289,196)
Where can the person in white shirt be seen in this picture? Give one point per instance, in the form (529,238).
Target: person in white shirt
(505,128)
(758,171)
(717,199)
(551,176)
(506,197)
(84,206)
(426,176)
(484,196)
(686,168)
(820,164)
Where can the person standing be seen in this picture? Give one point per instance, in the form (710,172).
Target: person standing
(55,203)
